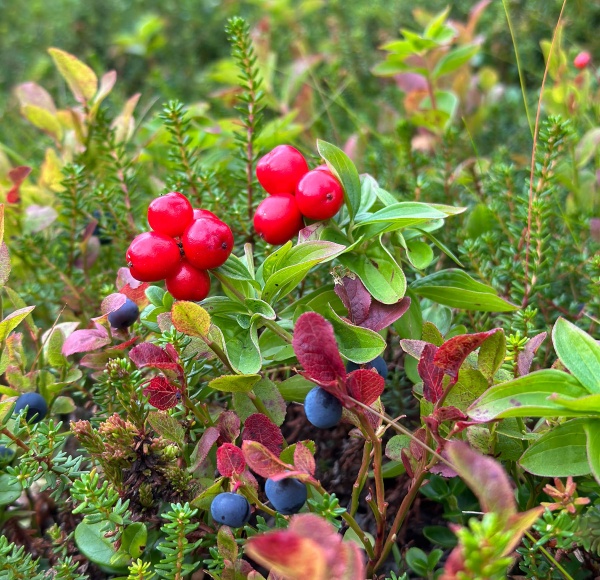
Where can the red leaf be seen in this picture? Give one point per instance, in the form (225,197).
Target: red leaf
(448,414)
(432,375)
(382,315)
(451,355)
(203,447)
(228,425)
(126,344)
(356,298)
(262,461)
(316,349)
(260,428)
(124,278)
(163,394)
(138,295)
(85,340)
(303,459)
(230,460)
(525,357)
(150,355)
(365,385)
(17,175)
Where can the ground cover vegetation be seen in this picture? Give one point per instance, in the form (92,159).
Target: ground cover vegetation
(322,304)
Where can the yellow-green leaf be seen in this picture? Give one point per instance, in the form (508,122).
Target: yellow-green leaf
(13,320)
(234,383)
(190,318)
(82,80)
(43,119)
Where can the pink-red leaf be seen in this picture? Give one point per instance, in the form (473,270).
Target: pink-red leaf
(260,428)
(262,461)
(451,355)
(17,175)
(303,459)
(230,460)
(150,355)
(382,315)
(316,349)
(432,375)
(413,347)
(162,394)
(203,447)
(525,357)
(355,297)
(365,385)
(228,425)
(112,302)
(85,340)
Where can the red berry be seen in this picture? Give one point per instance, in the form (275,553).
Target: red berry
(319,195)
(207,243)
(323,167)
(280,170)
(582,60)
(152,256)
(170,214)
(278,219)
(189,283)
(204,213)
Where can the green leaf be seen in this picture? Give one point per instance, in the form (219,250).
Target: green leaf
(560,452)
(454,59)
(419,254)
(234,383)
(295,388)
(491,355)
(579,352)
(383,278)
(63,405)
(394,447)
(13,320)
(410,324)
(190,318)
(589,404)
(269,394)
(529,396)
(167,427)
(343,168)
(403,214)
(457,289)
(260,307)
(204,499)
(134,538)
(294,266)
(81,78)
(155,295)
(235,269)
(97,548)
(360,345)
(53,348)
(243,349)
(470,385)
(592,430)
(271,264)
(10,489)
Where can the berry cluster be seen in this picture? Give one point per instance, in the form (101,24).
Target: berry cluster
(294,193)
(184,243)
(287,496)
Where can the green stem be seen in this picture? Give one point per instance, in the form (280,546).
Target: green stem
(551,558)
(361,478)
(203,417)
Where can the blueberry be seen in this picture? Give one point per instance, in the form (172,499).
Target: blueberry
(286,495)
(230,509)
(37,406)
(377,363)
(6,455)
(124,316)
(322,409)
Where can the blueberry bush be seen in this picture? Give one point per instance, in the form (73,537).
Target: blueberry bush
(328,321)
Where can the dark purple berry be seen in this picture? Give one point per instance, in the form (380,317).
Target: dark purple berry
(6,455)
(287,496)
(322,409)
(37,407)
(125,316)
(377,363)
(230,509)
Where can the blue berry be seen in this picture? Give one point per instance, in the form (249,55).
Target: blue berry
(287,496)
(377,363)
(230,509)
(6,455)
(322,409)
(37,407)
(124,316)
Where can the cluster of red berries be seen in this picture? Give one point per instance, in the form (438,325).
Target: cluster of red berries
(294,193)
(184,243)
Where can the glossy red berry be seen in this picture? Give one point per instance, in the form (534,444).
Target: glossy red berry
(582,60)
(319,195)
(207,243)
(278,219)
(189,283)
(170,214)
(152,256)
(204,213)
(280,170)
